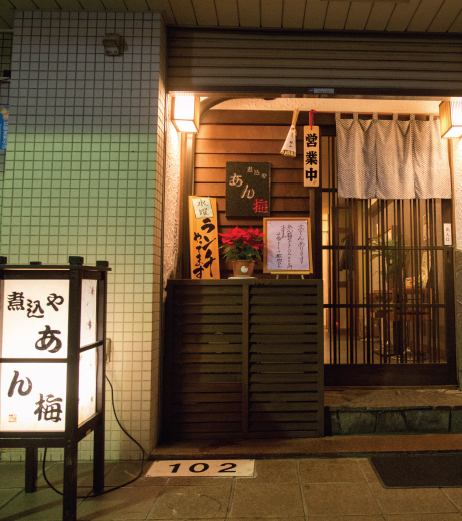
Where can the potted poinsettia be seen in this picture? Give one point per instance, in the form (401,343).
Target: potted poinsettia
(242,248)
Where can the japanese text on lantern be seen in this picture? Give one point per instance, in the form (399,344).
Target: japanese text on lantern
(203,238)
(311,159)
(35,326)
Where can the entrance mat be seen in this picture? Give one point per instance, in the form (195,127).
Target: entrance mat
(419,470)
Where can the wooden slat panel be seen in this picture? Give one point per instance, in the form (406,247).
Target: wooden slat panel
(212,417)
(218,175)
(207,407)
(268,310)
(208,319)
(279,205)
(227,427)
(239,146)
(282,368)
(219,160)
(287,190)
(207,348)
(218,300)
(292,387)
(273,358)
(283,378)
(278,300)
(206,310)
(280,329)
(205,374)
(284,319)
(282,426)
(206,397)
(280,397)
(282,347)
(244,132)
(209,338)
(294,290)
(207,290)
(211,380)
(197,358)
(209,328)
(282,406)
(183,387)
(283,417)
(292,339)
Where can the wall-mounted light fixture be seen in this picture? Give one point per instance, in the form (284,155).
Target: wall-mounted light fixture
(113,44)
(185,113)
(451,118)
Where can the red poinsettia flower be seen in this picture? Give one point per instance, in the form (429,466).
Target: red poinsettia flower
(239,244)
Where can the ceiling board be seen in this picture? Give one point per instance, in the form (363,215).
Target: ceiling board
(135,6)
(294,14)
(424,15)
(205,12)
(155,7)
(115,5)
(315,14)
(336,16)
(358,16)
(380,14)
(249,13)
(92,5)
(271,13)
(227,13)
(183,12)
(456,27)
(7,16)
(69,5)
(402,15)
(46,5)
(24,5)
(446,16)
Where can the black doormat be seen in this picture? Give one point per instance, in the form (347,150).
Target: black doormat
(419,470)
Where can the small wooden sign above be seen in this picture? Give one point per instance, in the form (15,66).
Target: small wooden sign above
(248,189)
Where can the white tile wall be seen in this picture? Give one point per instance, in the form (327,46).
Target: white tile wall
(84,176)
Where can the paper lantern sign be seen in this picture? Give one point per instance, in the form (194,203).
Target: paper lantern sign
(311,159)
(203,238)
(248,189)
(287,246)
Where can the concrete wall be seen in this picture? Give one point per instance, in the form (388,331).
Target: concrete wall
(84,176)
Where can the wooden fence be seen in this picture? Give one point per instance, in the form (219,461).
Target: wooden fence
(243,359)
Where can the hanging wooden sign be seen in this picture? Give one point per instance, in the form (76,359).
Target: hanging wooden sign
(311,158)
(203,238)
(248,189)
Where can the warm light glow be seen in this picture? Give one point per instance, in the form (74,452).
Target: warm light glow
(29,307)
(185,113)
(451,119)
(33,397)
(88,313)
(87,385)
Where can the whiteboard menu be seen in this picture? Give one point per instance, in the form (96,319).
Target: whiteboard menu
(287,246)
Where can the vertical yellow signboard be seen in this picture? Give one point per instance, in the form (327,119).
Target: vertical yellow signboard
(203,238)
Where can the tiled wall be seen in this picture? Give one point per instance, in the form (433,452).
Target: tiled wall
(84,176)
(6,39)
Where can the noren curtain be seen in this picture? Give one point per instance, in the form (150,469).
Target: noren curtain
(392,159)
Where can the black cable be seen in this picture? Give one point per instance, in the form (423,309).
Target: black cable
(143,458)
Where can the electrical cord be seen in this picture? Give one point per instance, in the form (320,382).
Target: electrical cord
(143,458)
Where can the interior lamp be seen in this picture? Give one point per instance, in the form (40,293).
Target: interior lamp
(451,118)
(185,113)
